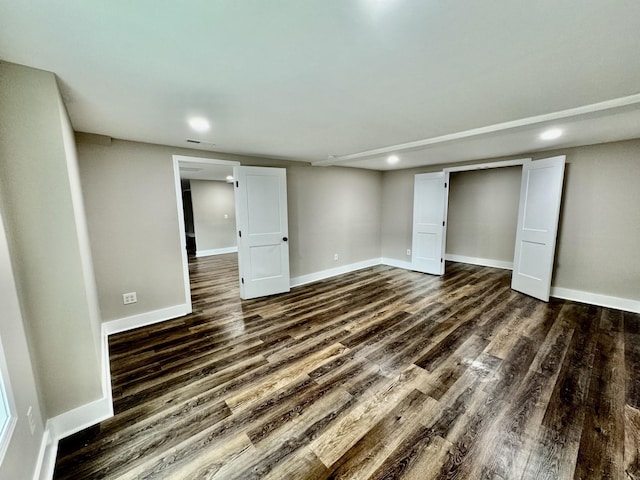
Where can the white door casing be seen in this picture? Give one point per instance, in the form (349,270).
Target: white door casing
(180,161)
(261,215)
(430,200)
(538,214)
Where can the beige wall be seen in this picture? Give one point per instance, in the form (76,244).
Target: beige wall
(129,193)
(599,230)
(41,208)
(133,219)
(132,215)
(212,201)
(483,213)
(397,212)
(81,231)
(332,210)
(599,236)
(22,453)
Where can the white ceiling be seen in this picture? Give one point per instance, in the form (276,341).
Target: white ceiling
(305,80)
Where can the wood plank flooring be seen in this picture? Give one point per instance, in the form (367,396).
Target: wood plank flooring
(377,374)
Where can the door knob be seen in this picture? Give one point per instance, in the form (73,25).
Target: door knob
(284,239)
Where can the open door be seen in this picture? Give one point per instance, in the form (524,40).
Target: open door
(261,215)
(540,196)
(430,200)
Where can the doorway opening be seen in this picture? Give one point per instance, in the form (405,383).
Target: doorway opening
(206,213)
(482,217)
(259,205)
(430,215)
(537,225)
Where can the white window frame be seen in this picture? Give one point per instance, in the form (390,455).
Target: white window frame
(8,412)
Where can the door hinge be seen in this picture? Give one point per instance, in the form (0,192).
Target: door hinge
(240,233)
(242,278)
(236,183)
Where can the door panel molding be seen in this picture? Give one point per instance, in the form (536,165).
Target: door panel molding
(430,201)
(261,215)
(538,215)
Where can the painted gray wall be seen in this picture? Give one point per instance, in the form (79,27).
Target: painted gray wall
(132,216)
(397,212)
(332,210)
(42,206)
(599,234)
(133,219)
(599,229)
(483,213)
(211,201)
(22,453)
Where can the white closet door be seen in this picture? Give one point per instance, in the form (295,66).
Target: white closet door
(261,215)
(430,199)
(540,196)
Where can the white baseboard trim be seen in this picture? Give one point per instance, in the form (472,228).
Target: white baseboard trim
(106,366)
(46,458)
(596,299)
(67,424)
(483,262)
(144,319)
(557,292)
(79,418)
(101,409)
(332,272)
(216,251)
(392,262)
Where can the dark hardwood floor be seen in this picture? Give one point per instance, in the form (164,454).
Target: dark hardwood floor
(377,374)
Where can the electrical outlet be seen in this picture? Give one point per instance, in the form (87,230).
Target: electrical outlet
(335,257)
(32,422)
(128,298)
(408,252)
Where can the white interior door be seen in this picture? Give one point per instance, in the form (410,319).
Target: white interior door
(540,196)
(261,215)
(430,200)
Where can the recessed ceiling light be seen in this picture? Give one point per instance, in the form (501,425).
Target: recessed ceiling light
(551,134)
(392,159)
(199,124)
